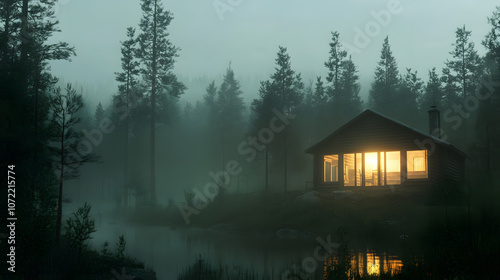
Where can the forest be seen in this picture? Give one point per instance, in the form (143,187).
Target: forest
(150,158)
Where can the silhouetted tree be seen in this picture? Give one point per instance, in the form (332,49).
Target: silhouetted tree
(70,152)
(319,97)
(157,55)
(349,99)
(487,128)
(230,109)
(492,43)
(384,89)
(209,100)
(461,74)
(26,47)
(315,110)
(342,86)
(335,66)
(261,114)
(99,114)
(433,93)
(128,80)
(286,87)
(409,92)
(229,102)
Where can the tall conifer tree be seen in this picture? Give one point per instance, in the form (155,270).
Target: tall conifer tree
(157,55)
(385,87)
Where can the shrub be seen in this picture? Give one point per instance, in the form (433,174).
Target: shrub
(80,227)
(120,247)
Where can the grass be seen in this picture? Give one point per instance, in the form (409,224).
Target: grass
(258,212)
(443,241)
(203,270)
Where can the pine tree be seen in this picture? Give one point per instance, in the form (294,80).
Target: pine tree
(342,83)
(229,102)
(349,99)
(319,97)
(26,47)
(462,73)
(128,80)
(488,121)
(335,66)
(492,43)
(230,108)
(157,55)
(410,91)
(99,114)
(433,92)
(262,112)
(461,76)
(66,141)
(128,77)
(287,87)
(384,89)
(450,87)
(209,101)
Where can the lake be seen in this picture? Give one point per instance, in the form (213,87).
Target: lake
(170,251)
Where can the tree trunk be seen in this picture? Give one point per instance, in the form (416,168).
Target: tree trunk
(286,161)
(153,111)
(35,137)
(24,34)
(267,170)
(223,183)
(126,186)
(59,200)
(5,43)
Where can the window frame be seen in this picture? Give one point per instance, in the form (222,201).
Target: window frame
(410,176)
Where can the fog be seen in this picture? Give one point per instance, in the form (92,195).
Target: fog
(248,35)
(235,139)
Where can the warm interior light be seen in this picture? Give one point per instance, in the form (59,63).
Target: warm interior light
(371,173)
(393,162)
(331,165)
(349,170)
(371,161)
(417,164)
(393,166)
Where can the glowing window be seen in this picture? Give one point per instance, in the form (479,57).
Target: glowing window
(417,164)
(393,168)
(349,168)
(331,167)
(359,169)
(382,168)
(371,169)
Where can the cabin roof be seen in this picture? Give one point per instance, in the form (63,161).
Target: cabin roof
(368,112)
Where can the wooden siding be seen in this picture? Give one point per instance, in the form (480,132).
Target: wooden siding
(374,133)
(455,166)
(370,134)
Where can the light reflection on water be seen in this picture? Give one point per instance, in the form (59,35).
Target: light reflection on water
(368,262)
(169,252)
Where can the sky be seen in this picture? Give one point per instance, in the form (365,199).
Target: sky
(213,33)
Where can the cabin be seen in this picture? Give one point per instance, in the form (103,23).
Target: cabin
(373,150)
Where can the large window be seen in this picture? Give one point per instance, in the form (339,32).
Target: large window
(393,168)
(331,167)
(359,169)
(349,168)
(417,164)
(371,169)
(382,168)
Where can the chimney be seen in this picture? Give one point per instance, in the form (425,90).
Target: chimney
(434,122)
